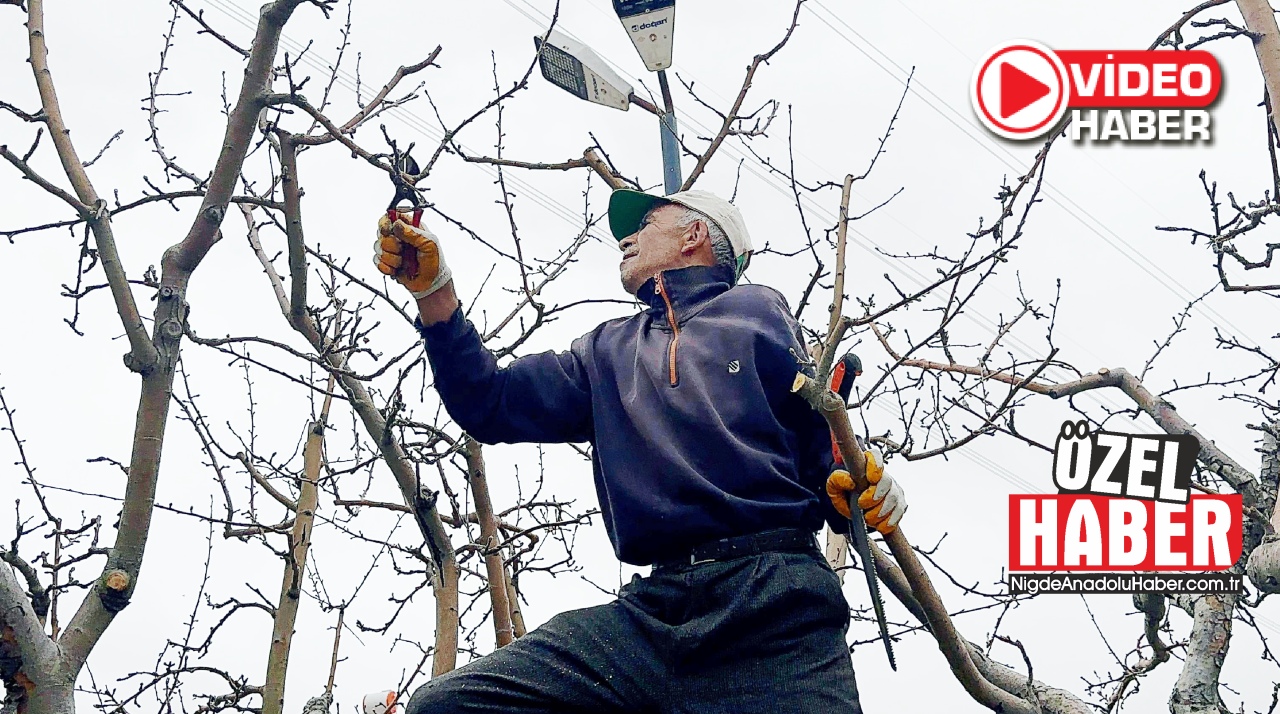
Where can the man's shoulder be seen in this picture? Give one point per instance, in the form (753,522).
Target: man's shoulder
(755,299)
(615,323)
(756,291)
(608,330)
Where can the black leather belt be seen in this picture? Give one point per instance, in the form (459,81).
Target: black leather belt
(783,539)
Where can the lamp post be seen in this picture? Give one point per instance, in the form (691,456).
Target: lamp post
(575,68)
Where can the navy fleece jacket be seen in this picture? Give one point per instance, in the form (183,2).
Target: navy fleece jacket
(688,405)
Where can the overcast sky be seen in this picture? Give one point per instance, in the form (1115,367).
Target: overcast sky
(838,82)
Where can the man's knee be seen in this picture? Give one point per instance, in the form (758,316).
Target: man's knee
(439,696)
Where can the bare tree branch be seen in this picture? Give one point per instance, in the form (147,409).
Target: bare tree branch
(732,116)
(93,209)
(199,18)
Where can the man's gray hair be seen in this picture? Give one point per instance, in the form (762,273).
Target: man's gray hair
(720,245)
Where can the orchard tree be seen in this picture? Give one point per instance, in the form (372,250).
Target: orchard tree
(317,432)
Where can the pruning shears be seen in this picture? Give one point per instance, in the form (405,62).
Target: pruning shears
(842,376)
(404,164)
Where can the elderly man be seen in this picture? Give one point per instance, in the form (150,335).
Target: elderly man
(706,465)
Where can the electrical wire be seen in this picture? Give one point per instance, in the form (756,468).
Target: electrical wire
(1059,198)
(559,209)
(916,277)
(412,120)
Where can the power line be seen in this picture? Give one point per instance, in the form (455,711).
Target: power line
(556,207)
(980,460)
(412,120)
(907,270)
(1059,198)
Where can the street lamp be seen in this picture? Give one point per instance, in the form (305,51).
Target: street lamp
(575,68)
(652,26)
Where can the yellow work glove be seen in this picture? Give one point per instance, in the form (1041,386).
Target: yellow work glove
(883,503)
(395,240)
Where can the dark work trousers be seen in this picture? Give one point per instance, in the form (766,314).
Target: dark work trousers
(753,635)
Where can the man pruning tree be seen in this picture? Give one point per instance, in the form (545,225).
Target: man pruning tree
(707,467)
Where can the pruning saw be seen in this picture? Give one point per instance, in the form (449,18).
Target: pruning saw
(842,376)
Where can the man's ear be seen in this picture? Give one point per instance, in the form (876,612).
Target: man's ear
(694,236)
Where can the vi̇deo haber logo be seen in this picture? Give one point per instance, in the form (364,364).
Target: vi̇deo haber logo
(1124,504)
(1022,89)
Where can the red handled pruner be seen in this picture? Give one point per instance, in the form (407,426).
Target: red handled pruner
(404,164)
(849,367)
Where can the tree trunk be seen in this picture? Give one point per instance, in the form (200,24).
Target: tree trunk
(40,685)
(496,570)
(1196,691)
(513,595)
(295,567)
(1264,562)
(1261,20)
(55,696)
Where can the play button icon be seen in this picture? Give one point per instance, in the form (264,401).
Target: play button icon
(1020,90)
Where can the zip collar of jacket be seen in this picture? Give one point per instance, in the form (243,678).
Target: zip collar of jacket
(685,288)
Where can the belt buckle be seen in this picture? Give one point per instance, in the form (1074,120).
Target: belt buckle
(693,559)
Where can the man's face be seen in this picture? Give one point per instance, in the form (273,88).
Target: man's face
(655,247)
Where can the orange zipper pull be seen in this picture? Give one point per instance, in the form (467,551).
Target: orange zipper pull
(675,329)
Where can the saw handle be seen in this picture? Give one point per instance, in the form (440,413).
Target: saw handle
(409,256)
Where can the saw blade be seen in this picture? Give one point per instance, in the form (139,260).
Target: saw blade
(861,543)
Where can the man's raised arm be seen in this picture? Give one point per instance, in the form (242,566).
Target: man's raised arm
(539,398)
(439,305)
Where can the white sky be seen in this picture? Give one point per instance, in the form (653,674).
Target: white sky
(842,74)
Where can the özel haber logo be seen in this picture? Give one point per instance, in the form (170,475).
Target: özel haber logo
(1020,89)
(1124,504)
